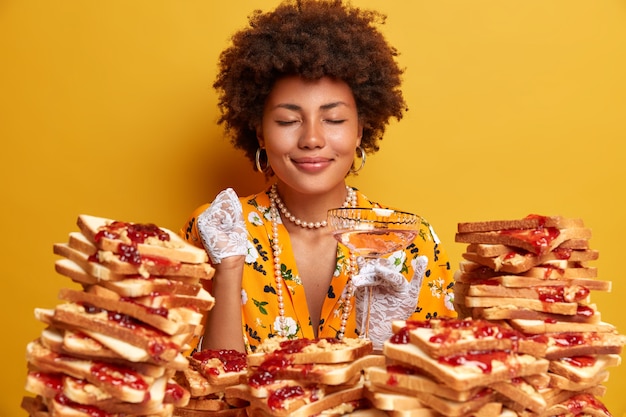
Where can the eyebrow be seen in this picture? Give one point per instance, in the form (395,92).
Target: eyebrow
(295,107)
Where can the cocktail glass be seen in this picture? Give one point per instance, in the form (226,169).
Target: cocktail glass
(372,233)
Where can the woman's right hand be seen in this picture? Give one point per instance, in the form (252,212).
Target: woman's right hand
(222,228)
(223,232)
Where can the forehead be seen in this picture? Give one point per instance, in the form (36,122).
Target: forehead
(319,92)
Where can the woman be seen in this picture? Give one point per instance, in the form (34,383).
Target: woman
(304,91)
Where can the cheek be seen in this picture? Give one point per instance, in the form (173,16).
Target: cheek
(345,144)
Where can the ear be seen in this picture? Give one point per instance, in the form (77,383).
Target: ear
(359,133)
(259,136)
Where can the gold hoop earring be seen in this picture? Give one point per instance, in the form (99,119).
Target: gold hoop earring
(361,152)
(257,161)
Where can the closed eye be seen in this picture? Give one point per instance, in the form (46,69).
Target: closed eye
(285,122)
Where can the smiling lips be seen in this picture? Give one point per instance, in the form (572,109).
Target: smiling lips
(311,164)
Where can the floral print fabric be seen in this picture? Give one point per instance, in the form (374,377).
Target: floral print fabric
(258,295)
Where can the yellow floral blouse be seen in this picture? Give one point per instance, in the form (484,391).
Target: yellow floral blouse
(258,295)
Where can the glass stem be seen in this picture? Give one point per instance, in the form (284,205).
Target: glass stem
(365,324)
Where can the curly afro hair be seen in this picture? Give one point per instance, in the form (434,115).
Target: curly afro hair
(311,39)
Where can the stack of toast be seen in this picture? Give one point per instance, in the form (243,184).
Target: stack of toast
(534,275)
(112,347)
(209,374)
(306,377)
(458,368)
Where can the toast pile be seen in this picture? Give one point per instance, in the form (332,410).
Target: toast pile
(209,374)
(458,368)
(114,344)
(305,377)
(534,275)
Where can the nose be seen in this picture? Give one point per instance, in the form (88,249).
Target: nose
(312,136)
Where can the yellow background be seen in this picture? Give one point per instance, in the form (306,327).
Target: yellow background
(106,108)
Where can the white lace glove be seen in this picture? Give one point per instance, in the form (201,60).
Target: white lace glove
(392,296)
(222,228)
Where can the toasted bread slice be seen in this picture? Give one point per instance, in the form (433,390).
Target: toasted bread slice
(169,320)
(199,386)
(83,346)
(390,399)
(85,393)
(470,372)
(491,250)
(578,404)
(564,308)
(159,345)
(519,281)
(442,406)
(459,335)
(35,406)
(516,262)
(136,354)
(521,392)
(129,286)
(538,241)
(584,314)
(560,382)
(208,404)
(571,344)
(583,369)
(124,384)
(191,412)
(45,384)
(544,293)
(555,396)
(409,380)
(300,351)
(556,271)
(95,270)
(149,239)
(553,326)
(321,373)
(532,221)
(307,402)
(129,264)
(220,367)
(72,409)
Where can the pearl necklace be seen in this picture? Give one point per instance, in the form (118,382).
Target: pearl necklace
(345,304)
(350,202)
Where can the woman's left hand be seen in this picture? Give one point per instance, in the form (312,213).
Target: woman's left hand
(392,296)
